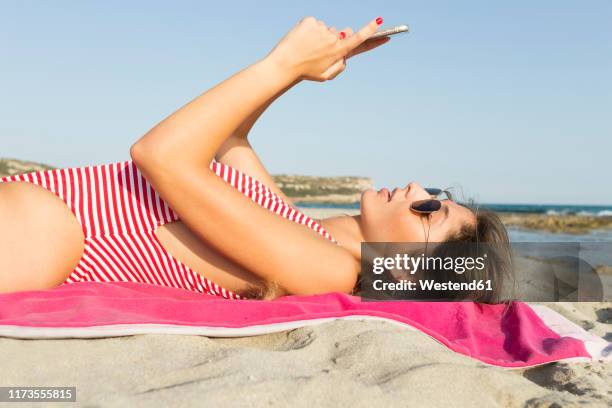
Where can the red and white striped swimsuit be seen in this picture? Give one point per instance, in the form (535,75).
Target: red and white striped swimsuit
(119,212)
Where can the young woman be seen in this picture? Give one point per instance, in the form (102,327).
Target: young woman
(170,217)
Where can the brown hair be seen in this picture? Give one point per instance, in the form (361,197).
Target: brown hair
(487,237)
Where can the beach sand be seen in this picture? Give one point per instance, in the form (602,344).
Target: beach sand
(342,363)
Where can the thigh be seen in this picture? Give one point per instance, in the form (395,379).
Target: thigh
(41,241)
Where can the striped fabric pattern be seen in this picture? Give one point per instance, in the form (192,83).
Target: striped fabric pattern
(119,212)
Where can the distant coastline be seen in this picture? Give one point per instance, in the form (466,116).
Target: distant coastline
(9,167)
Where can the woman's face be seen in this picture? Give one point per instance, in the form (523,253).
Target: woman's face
(386,216)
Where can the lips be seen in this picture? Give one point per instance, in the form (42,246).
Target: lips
(385,192)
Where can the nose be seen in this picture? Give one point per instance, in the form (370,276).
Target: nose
(417,192)
(414,185)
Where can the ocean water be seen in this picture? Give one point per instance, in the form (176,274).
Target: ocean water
(556,209)
(592,210)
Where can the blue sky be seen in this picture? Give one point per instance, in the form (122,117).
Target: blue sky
(511,101)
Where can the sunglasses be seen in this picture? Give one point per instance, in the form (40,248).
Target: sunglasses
(430,205)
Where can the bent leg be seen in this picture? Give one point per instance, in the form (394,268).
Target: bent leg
(41,241)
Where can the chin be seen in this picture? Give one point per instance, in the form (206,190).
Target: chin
(365,197)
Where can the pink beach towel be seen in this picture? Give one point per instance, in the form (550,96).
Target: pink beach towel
(521,336)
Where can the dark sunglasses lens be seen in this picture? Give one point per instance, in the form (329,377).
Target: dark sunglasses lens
(433,191)
(426,206)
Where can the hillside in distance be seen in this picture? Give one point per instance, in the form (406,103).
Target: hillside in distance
(10,167)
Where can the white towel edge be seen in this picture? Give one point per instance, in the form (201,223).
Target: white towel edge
(598,348)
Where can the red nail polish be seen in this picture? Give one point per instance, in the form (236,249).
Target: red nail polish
(342,35)
(379,20)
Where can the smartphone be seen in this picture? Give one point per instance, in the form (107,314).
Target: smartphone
(386,32)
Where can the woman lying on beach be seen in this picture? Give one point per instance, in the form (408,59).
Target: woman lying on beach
(170,217)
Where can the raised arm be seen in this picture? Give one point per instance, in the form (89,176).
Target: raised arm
(175,154)
(237,151)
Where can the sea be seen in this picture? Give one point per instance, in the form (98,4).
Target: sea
(553,209)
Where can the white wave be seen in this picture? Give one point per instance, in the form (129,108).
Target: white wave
(582,213)
(602,213)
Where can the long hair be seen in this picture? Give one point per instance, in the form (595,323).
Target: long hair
(487,237)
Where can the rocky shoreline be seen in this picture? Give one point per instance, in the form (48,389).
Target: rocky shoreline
(10,167)
(570,224)
(323,190)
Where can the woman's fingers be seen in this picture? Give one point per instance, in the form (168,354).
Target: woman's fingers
(311,47)
(338,72)
(353,41)
(356,45)
(340,66)
(333,71)
(368,45)
(346,32)
(353,44)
